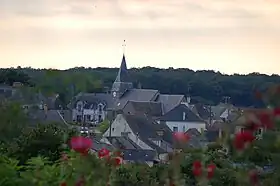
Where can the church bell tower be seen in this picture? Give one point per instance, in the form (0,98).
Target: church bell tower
(122,82)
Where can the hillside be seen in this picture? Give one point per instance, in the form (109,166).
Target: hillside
(204,86)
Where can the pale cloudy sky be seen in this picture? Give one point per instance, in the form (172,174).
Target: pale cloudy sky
(228,35)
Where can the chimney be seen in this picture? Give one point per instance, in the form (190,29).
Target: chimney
(189,99)
(139,86)
(45,110)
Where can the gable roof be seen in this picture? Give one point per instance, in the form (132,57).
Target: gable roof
(170,101)
(93,99)
(50,116)
(201,110)
(150,108)
(176,114)
(146,129)
(139,155)
(122,143)
(137,95)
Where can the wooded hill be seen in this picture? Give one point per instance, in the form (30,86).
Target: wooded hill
(207,87)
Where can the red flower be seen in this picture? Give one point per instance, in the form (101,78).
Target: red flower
(63,184)
(242,139)
(117,161)
(181,136)
(197,168)
(80,182)
(254,177)
(210,170)
(81,144)
(103,153)
(265,119)
(276,112)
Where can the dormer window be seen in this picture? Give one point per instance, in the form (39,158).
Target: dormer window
(79,107)
(160,133)
(100,108)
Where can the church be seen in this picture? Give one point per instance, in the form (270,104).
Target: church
(94,107)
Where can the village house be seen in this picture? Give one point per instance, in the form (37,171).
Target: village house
(95,107)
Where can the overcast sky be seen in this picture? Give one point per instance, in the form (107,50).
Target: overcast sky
(232,36)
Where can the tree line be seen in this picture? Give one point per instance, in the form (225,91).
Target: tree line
(208,87)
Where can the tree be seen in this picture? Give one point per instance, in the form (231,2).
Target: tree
(13,121)
(44,140)
(204,86)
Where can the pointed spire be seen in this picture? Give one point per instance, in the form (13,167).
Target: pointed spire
(122,82)
(123,72)
(124,45)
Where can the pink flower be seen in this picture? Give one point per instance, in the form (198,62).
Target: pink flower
(181,136)
(276,112)
(117,161)
(80,182)
(254,177)
(210,170)
(197,168)
(266,119)
(103,153)
(81,144)
(242,139)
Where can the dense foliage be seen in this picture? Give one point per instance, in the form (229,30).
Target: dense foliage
(50,155)
(204,86)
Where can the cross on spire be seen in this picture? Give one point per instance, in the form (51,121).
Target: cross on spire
(124,45)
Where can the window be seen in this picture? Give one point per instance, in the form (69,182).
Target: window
(124,134)
(88,117)
(100,108)
(79,118)
(184,116)
(175,129)
(160,133)
(99,118)
(79,107)
(184,128)
(259,131)
(242,129)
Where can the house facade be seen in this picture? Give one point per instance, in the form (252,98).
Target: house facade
(94,108)
(181,119)
(145,133)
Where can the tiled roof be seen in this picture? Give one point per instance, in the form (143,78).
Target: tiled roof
(149,108)
(169,101)
(176,114)
(122,143)
(147,129)
(139,155)
(202,111)
(92,99)
(137,95)
(50,116)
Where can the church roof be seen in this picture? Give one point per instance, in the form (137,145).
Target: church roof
(123,72)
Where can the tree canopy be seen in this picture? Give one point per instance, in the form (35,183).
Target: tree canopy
(207,87)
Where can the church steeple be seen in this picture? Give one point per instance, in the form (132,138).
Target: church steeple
(123,72)
(122,82)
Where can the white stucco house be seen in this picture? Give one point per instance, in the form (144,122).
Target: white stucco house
(145,133)
(181,119)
